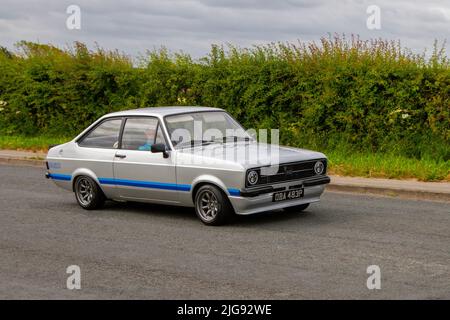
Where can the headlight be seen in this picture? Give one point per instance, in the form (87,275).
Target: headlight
(252,177)
(319,167)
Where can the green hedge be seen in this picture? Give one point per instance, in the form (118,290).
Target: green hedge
(338,94)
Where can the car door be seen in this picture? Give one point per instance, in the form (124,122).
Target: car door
(140,174)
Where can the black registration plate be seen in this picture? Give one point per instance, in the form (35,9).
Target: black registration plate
(287,195)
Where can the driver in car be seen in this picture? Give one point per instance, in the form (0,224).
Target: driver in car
(150,135)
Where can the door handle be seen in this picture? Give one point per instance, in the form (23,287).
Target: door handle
(120,156)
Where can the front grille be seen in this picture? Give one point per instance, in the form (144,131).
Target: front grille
(289,172)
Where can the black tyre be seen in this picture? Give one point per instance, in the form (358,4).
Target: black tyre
(298,208)
(212,206)
(88,194)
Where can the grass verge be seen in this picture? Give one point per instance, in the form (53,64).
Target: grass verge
(387,166)
(340,162)
(39,143)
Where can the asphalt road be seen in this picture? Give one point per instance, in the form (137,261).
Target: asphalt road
(156,252)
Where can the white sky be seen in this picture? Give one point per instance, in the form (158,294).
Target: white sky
(132,26)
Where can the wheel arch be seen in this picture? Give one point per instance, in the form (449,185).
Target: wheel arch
(207,179)
(85,172)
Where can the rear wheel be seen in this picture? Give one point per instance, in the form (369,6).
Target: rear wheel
(298,208)
(212,205)
(88,194)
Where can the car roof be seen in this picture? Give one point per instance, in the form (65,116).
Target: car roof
(161,111)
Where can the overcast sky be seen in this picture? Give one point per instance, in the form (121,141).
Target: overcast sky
(132,26)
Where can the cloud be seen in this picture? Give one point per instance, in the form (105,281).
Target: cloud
(133,26)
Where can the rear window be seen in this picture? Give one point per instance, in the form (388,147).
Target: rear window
(105,135)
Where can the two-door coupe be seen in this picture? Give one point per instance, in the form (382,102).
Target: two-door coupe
(185,156)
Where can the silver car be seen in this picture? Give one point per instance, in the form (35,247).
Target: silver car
(186,156)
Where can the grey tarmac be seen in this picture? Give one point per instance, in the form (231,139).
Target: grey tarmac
(131,250)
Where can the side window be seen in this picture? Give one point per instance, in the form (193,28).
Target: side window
(105,135)
(139,133)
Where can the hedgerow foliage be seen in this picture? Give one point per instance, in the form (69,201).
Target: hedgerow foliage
(359,95)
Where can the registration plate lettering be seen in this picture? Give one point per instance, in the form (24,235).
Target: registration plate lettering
(287,195)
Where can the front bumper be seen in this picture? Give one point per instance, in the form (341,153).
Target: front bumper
(260,199)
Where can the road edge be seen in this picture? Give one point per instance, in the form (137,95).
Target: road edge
(390,192)
(22,162)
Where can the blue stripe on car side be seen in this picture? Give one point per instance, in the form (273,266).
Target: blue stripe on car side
(234,192)
(141,184)
(146,184)
(59,176)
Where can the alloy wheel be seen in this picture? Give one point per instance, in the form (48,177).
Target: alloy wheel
(208,205)
(85,191)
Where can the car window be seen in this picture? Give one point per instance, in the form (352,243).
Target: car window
(105,135)
(214,126)
(139,133)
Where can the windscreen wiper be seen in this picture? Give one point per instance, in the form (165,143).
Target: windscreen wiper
(196,142)
(234,138)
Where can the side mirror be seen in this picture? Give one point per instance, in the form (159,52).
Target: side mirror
(160,147)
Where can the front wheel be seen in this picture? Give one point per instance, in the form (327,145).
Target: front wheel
(298,208)
(88,194)
(212,205)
